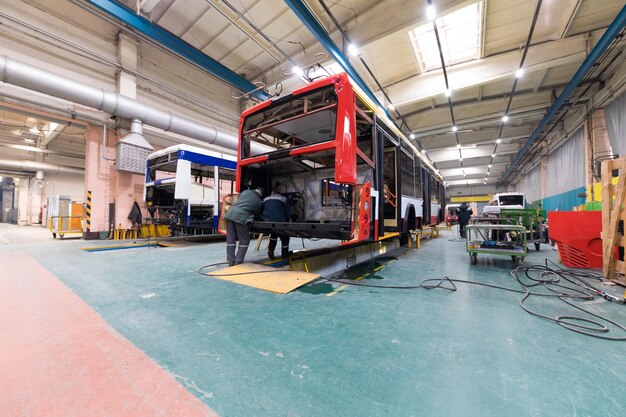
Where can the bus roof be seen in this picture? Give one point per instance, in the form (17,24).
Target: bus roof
(194,149)
(380,113)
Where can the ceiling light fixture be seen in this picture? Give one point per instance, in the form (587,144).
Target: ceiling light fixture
(493,155)
(505,118)
(458,146)
(519,72)
(412,136)
(353,50)
(431,12)
(391,107)
(499,141)
(489,165)
(448,92)
(34,130)
(297,70)
(454,128)
(29,140)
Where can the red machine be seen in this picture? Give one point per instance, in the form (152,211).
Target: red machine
(577,234)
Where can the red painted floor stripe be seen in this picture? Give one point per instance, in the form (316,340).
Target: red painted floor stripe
(59,358)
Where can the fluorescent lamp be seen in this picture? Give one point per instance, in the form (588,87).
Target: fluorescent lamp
(454,128)
(458,146)
(297,70)
(412,136)
(448,92)
(493,155)
(431,12)
(519,72)
(498,141)
(353,50)
(391,107)
(505,118)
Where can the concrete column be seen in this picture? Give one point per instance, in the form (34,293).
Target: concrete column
(127,58)
(100,176)
(600,135)
(544,176)
(588,149)
(108,185)
(23,202)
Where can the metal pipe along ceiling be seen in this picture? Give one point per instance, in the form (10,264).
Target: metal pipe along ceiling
(40,166)
(26,76)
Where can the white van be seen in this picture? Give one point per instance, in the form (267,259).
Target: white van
(506,201)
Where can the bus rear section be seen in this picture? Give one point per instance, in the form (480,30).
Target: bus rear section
(341,166)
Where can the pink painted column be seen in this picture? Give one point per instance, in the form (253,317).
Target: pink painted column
(107,185)
(100,176)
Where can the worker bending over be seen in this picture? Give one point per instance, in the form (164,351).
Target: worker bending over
(239,218)
(276,209)
(463,212)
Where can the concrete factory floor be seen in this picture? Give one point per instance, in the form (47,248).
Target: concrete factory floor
(140,332)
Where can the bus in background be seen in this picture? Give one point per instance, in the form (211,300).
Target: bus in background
(451,214)
(184,186)
(347,169)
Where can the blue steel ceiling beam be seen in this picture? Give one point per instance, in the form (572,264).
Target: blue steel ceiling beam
(176,45)
(307,17)
(611,33)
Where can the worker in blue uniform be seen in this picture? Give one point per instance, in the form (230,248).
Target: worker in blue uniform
(276,209)
(239,218)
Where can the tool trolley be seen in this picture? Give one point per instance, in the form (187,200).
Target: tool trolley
(496,236)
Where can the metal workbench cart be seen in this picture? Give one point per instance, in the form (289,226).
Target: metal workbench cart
(496,236)
(533,220)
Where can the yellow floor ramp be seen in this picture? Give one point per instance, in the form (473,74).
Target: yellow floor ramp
(266,278)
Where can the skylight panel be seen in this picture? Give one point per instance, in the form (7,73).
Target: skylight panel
(460,34)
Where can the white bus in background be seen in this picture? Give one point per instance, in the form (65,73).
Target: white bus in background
(504,201)
(184,186)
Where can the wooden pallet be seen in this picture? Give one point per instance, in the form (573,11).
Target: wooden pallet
(613,216)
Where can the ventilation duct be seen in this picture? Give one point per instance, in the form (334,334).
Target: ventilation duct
(39,179)
(132,150)
(32,166)
(25,75)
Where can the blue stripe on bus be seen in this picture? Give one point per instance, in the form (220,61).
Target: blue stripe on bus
(206,159)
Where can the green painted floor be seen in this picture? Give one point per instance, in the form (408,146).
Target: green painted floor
(362,352)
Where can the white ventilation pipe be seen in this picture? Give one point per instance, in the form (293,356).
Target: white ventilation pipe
(33,166)
(24,75)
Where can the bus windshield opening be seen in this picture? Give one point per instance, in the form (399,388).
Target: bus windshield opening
(299,121)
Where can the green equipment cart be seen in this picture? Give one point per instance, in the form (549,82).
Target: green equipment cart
(496,236)
(533,219)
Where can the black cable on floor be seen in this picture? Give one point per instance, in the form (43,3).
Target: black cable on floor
(538,276)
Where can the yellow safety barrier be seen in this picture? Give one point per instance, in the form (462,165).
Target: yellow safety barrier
(424,232)
(146,231)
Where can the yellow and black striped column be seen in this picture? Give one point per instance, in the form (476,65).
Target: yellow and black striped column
(88,212)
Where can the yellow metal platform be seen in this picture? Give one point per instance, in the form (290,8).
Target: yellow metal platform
(264,277)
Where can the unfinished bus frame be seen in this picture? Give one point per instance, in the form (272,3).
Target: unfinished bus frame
(184,186)
(347,170)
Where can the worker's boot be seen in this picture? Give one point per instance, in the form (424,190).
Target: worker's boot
(271,255)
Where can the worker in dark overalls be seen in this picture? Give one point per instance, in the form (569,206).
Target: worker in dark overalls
(463,212)
(239,218)
(276,209)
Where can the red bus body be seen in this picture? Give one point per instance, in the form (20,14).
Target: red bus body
(337,161)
